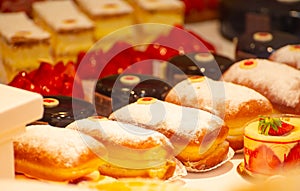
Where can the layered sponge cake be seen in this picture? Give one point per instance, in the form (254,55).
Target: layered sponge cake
(22,44)
(160,11)
(71,30)
(272,145)
(108,15)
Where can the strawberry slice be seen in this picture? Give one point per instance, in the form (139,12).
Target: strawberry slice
(274,126)
(283,129)
(264,161)
(293,158)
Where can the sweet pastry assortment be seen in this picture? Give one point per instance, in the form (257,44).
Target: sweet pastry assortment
(198,136)
(22,44)
(272,145)
(149,122)
(234,103)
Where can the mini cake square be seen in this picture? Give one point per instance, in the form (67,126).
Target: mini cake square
(22,44)
(108,15)
(71,30)
(160,11)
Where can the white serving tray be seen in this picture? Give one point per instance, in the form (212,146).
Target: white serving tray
(17,108)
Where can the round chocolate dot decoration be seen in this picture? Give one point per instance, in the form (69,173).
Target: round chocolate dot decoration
(59,111)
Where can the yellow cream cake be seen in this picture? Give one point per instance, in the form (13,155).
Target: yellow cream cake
(72,31)
(272,146)
(22,44)
(108,15)
(169,12)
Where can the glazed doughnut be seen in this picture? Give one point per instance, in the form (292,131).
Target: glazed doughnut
(195,134)
(132,151)
(234,103)
(56,154)
(278,82)
(288,54)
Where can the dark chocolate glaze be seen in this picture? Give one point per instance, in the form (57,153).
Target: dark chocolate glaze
(247,47)
(123,94)
(182,66)
(68,110)
(238,17)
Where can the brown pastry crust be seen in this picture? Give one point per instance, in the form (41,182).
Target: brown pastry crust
(57,154)
(214,156)
(163,172)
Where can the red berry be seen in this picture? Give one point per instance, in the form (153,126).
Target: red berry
(293,158)
(285,128)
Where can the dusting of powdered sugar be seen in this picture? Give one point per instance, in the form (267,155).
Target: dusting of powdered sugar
(215,96)
(281,81)
(117,132)
(183,121)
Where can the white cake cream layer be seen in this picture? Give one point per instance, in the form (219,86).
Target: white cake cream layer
(62,15)
(22,44)
(97,8)
(278,82)
(169,12)
(108,15)
(159,5)
(17,27)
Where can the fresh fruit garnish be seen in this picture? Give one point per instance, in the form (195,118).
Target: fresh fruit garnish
(293,158)
(49,79)
(273,126)
(264,160)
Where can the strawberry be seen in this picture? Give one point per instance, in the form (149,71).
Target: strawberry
(274,126)
(264,160)
(293,158)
